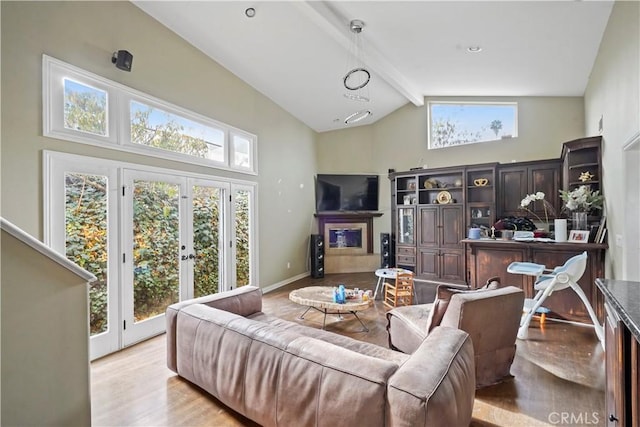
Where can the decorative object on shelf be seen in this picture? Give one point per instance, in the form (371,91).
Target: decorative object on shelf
(579,236)
(582,199)
(406,200)
(560,230)
(457,182)
(580,202)
(540,232)
(480,182)
(430,183)
(586,176)
(539,196)
(443,197)
(579,220)
(411,185)
(474,233)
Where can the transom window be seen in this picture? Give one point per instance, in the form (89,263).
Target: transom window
(460,123)
(83,107)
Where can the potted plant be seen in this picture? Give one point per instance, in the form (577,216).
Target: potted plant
(580,201)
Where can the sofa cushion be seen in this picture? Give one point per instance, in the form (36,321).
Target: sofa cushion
(361,347)
(269,374)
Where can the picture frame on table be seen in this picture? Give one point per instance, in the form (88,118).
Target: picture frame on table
(579,236)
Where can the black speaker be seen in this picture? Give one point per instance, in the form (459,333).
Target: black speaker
(386,251)
(123,60)
(317,256)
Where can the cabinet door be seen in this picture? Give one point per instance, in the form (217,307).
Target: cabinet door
(429,264)
(545,177)
(451,226)
(512,188)
(406,226)
(452,265)
(491,262)
(614,361)
(429,230)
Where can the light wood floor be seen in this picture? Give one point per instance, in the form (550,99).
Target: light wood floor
(558,372)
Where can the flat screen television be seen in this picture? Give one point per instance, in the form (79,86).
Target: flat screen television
(346,193)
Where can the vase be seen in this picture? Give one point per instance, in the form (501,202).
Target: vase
(579,221)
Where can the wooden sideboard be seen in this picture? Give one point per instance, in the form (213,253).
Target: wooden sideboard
(488,258)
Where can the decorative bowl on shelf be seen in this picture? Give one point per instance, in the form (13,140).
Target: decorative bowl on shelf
(443,197)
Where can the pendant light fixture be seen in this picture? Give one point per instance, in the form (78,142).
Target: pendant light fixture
(357,77)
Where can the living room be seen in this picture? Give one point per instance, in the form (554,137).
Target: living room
(290,153)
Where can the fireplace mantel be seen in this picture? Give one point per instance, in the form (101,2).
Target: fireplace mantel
(341,217)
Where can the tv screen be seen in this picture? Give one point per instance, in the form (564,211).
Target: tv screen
(346,193)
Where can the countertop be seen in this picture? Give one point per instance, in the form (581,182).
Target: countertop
(624,297)
(515,243)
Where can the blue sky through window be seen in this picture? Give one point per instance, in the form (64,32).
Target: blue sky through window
(469,123)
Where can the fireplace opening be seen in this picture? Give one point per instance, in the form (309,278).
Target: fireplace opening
(345,238)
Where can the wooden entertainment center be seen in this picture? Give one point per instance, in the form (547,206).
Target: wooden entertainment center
(433,209)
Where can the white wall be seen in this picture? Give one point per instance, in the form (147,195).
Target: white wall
(399,141)
(86,34)
(613,93)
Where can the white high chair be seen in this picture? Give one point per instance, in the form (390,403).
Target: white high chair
(548,281)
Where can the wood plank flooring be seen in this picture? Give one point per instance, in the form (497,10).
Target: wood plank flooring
(558,374)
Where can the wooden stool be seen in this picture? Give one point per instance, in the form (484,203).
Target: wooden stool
(400,293)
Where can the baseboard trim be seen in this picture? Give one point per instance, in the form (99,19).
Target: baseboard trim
(285,282)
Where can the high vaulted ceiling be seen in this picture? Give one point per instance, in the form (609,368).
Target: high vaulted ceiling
(296,52)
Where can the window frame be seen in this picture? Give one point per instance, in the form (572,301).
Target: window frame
(119,99)
(432,103)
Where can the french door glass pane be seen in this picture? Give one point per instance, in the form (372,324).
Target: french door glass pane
(206,238)
(86,238)
(156,247)
(242,237)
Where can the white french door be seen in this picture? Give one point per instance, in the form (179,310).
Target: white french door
(81,222)
(152,237)
(173,246)
(154,226)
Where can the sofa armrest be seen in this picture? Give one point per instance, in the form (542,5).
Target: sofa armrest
(436,386)
(242,301)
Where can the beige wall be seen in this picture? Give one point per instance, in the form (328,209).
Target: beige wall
(86,34)
(399,141)
(45,352)
(613,93)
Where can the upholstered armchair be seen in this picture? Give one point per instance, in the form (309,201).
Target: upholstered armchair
(491,317)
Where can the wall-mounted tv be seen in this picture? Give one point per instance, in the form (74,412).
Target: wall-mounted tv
(346,193)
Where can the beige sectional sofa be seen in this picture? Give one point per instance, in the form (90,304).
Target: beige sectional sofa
(280,373)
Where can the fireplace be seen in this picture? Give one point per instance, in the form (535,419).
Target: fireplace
(348,241)
(345,238)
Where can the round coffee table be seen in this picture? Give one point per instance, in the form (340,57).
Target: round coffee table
(321,299)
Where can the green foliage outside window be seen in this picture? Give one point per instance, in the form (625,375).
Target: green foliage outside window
(156,229)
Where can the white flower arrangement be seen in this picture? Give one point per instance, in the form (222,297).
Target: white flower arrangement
(539,196)
(582,199)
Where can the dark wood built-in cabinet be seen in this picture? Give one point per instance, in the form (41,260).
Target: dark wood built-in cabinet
(430,226)
(519,179)
(428,230)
